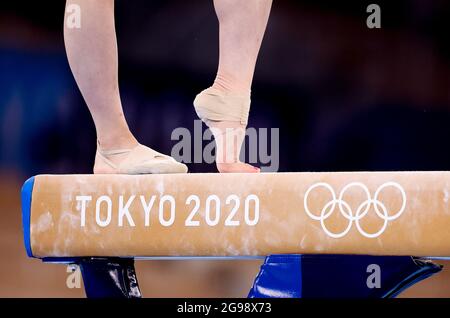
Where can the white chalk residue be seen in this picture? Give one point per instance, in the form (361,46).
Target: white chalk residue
(109,190)
(446,196)
(44,223)
(160,187)
(302,242)
(78,206)
(69,219)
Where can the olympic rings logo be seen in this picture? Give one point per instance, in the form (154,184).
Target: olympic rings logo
(362,210)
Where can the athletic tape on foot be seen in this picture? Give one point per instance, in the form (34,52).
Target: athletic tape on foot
(212,104)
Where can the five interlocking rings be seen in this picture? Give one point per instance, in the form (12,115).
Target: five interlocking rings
(361,211)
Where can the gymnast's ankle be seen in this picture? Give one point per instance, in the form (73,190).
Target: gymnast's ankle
(120,139)
(231,86)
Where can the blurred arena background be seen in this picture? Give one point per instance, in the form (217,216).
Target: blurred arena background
(344,97)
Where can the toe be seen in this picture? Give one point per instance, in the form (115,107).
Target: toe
(237,167)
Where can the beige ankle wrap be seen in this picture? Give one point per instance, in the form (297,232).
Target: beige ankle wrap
(215,105)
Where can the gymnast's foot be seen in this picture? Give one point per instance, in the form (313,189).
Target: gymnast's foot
(226,116)
(137,159)
(229,136)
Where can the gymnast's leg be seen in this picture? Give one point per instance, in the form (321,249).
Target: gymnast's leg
(92,54)
(225,106)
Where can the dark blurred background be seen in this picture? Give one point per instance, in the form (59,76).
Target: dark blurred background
(345,97)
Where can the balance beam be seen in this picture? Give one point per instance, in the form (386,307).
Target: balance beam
(366,213)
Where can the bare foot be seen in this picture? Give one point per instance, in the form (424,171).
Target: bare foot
(229,137)
(236,167)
